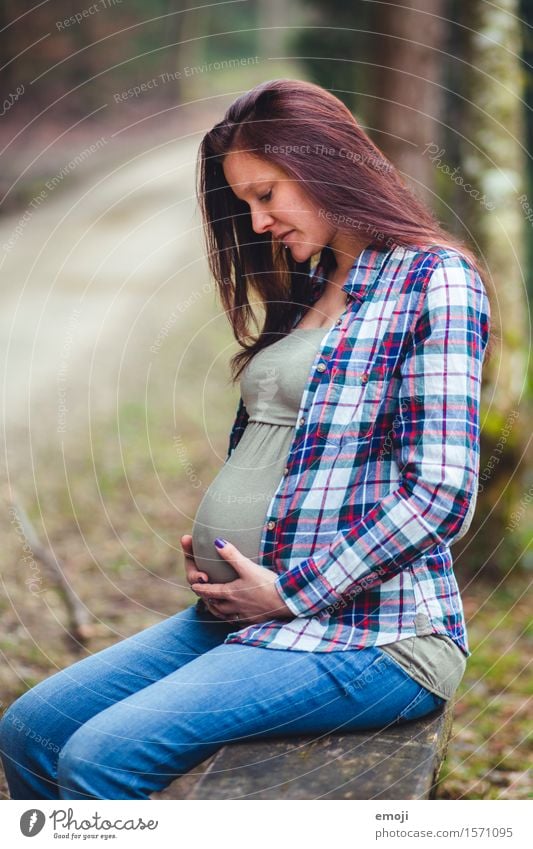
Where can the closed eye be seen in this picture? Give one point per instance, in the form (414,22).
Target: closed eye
(266,197)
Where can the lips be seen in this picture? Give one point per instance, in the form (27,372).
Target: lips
(284,235)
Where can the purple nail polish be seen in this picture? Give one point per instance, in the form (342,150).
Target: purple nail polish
(220,543)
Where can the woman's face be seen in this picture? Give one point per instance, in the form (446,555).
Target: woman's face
(278,204)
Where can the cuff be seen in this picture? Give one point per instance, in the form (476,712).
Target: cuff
(304,589)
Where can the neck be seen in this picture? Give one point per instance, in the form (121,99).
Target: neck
(346,250)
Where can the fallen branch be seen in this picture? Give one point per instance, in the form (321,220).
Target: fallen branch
(79,621)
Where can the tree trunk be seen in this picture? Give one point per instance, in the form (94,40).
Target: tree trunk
(489,127)
(494,161)
(408,97)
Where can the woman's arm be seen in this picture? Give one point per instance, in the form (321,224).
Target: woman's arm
(437,452)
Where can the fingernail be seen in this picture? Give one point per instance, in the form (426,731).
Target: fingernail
(220,543)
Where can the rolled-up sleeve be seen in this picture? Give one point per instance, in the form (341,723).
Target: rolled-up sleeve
(436,447)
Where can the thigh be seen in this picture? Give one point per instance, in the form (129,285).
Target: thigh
(59,705)
(353,691)
(230,693)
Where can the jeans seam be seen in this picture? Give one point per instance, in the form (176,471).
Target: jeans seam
(414,702)
(367,675)
(422,694)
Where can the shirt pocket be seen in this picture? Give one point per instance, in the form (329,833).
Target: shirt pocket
(351,404)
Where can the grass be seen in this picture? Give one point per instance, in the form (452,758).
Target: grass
(490,746)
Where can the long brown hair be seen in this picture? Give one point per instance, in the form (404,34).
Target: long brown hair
(354,181)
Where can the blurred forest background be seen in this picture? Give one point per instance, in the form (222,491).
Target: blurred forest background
(115,351)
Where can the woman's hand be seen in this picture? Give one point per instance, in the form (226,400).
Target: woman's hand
(252,597)
(192,573)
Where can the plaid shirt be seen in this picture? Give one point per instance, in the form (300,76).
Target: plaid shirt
(382,471)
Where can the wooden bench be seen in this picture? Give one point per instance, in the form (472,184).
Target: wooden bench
(399,762)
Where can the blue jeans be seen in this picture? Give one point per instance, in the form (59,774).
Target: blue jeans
(126,721)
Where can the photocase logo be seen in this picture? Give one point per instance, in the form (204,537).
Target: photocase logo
(32,822)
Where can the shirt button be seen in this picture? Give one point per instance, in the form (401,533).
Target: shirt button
(321,367)
(301,421)
(271,525)
(286,470)
(364,377)
(339,321)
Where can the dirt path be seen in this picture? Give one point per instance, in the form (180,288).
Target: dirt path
(90,275)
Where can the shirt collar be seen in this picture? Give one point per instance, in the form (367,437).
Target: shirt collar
(362,276)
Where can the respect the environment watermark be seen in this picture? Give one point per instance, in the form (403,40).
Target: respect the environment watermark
(186,73)
(49,187)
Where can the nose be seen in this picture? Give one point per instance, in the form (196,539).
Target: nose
(261,221)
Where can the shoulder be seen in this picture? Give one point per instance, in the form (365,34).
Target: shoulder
(434,257)
(454,298)
(439,257)
(446,273)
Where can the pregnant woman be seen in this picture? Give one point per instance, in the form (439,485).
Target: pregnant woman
(320,553)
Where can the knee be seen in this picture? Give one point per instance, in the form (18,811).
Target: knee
(27,739)
(6,733)
(17,726)
(82,769)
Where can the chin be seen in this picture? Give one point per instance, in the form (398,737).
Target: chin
(301,253)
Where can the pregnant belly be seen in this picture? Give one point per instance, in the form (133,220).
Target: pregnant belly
(234,507)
